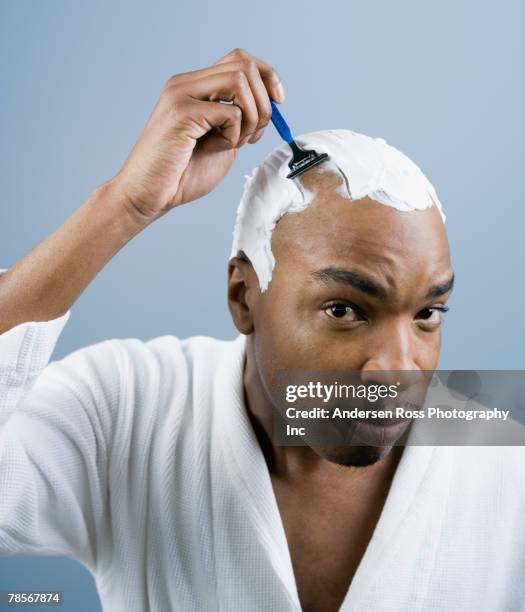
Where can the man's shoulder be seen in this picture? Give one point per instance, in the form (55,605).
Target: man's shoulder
(125,374)
(171,362)
(144,363)
(194,351)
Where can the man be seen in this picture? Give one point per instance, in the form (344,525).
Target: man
(154,463)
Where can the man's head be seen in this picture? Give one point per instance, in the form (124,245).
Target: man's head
(357,284)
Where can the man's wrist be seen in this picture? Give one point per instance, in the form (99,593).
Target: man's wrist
(123,215)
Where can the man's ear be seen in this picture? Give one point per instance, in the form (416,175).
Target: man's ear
(241,279)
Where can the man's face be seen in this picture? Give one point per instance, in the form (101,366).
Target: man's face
(356,286)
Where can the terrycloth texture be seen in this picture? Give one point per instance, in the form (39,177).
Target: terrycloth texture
(139,460)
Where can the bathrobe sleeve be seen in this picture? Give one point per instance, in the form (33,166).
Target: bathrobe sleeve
(54,427)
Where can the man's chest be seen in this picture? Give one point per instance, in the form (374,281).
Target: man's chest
(327,537)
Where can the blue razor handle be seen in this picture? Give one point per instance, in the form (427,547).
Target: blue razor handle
(280,123)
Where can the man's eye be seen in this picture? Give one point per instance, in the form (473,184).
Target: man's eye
(431,315)
(341,311)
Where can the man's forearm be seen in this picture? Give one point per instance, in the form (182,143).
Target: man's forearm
(46,281)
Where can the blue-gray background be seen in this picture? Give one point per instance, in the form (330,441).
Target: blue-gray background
(443,82)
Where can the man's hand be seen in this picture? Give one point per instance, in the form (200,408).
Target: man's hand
(192,137)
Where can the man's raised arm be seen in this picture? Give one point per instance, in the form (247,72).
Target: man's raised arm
(188,145)
(57,421)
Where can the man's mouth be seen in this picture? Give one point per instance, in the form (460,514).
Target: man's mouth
(377,432)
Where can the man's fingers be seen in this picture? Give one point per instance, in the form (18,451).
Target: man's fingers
(231,86)
(256,137)
(258,89)
(253,76)
(225,118)
(240,78)
(260,95)
(238,60)
(269,75)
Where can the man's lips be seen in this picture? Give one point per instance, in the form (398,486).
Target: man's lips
(378,432)
(381,431)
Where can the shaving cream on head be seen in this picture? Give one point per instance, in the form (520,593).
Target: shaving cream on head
(369,167)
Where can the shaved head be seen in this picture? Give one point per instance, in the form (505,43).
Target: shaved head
(368,169)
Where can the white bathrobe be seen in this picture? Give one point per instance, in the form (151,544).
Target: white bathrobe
(138,459)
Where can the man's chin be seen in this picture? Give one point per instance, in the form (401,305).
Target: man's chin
(354,456)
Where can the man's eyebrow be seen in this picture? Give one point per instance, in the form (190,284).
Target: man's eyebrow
(368,285)
(441,289)
(348,277)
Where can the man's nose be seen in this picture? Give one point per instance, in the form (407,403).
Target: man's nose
(389,354)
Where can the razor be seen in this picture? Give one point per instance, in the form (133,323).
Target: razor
(302,159)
